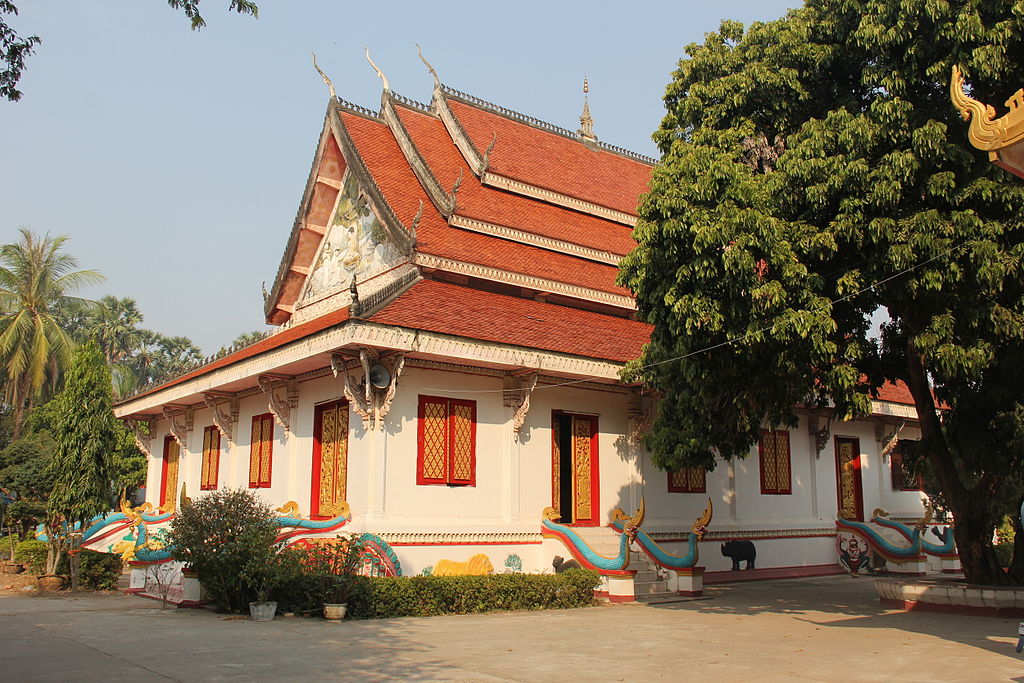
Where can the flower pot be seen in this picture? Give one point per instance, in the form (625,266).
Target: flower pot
(333,612)
(262,611)
(50,582)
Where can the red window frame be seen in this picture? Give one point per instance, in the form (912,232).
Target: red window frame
(449,479)
(778,490)
(897,473)
(209,477)
(261,446)
(680,481)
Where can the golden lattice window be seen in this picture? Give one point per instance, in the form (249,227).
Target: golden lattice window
(688,480)
(211,459)
(773,450)
(261,450)
(446,441)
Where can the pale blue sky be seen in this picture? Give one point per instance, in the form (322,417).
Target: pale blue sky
(175,160)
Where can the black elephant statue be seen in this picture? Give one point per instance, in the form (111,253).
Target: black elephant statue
(560,565)
(740,550)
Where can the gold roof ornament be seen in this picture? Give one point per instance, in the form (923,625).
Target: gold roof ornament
(586,130)
(1002,138)
(334,95)
(380,74)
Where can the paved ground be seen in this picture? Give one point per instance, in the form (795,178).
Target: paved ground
(809,629)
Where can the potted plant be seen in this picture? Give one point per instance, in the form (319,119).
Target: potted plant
(335,562)
(262,574)
(336,594)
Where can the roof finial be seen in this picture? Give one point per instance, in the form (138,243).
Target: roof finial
(437,80)
(586,130)
(383,78)
(327,81)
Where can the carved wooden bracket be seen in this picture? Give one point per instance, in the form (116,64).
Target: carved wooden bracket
(143,437)
(179,430)
(640,413)
(371,403)
(517,395)
(820,434)
(221,419)
(887,441)
(280,408)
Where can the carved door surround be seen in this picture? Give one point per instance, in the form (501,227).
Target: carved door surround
(575,468)
(330,460)
(848,478)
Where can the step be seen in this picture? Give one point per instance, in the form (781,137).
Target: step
(649,587)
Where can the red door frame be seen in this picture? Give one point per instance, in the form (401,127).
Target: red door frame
(595,469)
(858,489)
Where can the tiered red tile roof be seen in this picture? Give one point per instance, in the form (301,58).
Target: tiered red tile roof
(475,314)
(553,161)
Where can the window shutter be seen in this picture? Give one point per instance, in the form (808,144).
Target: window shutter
(432,460)
(267,450)
(462,435)
(211,459)
(255,448)
(775,462)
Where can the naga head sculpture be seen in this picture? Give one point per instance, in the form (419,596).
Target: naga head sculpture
(700,527)
(551,514)
(631,525)
(923,523)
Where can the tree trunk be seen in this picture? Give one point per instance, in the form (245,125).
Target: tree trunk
(73,560)
(973,523)
(1016,570)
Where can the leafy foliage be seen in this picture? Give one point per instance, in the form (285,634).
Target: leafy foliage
(814,172)
(15,49)
(36,279)
(221,535)
(85,432)
(33,553)
(421,596)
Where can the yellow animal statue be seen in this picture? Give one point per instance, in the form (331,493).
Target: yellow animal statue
(477,565)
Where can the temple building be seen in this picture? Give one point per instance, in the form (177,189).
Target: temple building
(445,367)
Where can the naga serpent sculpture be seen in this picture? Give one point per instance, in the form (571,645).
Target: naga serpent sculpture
(581,550)
(659,555)
(947,549)
(894,553)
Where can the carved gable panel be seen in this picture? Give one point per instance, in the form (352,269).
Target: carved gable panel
(356,245)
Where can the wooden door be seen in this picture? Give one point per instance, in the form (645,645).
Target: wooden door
(848,478)
(169,473)
(330,459)
(574,468)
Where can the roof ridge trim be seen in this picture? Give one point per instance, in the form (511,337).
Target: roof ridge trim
(533,239)
(522,280)
(543,125)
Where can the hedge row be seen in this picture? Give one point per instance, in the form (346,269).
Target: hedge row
(96,571)
(423,596)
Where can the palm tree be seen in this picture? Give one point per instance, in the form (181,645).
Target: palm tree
(35,281)
(116,325)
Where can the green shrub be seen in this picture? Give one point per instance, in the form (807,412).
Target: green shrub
(96,571)
(6,543)
(421,596)
(32,553)
(320,573)
(222,536)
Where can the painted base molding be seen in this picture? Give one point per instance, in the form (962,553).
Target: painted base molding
(950,596)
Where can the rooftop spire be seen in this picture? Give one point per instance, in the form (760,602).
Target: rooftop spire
(586,122)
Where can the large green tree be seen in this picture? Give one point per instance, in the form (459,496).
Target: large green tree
(36,281)
(15,49)
(86,436)
(813,172)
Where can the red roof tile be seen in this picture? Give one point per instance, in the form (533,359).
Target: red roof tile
(461,311)
(504,208)
(553,161)
(895,393)
(391,171)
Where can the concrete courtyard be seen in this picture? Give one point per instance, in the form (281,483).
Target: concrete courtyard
(805,629)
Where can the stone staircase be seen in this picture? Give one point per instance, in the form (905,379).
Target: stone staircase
(648,586)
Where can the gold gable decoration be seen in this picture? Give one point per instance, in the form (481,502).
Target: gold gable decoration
(987,132)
